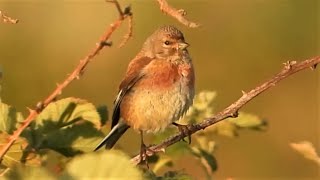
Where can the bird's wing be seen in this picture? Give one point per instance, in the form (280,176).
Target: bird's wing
(133,75)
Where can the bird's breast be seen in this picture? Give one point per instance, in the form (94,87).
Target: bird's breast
(162,96)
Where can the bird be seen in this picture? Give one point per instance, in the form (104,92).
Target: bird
(157,89)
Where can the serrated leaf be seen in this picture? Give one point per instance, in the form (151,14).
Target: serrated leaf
(307,149)
(247,120)
(69,126)
(18,153)
(9,118)
(105,165)
(29,173)
(73,140)
(66,112)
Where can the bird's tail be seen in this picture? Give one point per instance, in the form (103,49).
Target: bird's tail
(113,136)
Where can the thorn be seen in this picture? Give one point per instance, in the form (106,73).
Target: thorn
(162,150)
(243,92)
(105,43)
(235,114)
(57,84)
(30,110)
(78,77)
(182,12)
(314,67)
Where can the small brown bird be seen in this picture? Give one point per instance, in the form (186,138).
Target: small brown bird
(157,89)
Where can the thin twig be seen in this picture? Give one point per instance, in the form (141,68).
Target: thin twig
(231,111)
(77,72)
(127,36)
(176,13)
(8,19)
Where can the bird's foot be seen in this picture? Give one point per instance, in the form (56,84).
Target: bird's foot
(184,130)
(144,154)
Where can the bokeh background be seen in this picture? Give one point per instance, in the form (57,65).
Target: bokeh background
(239,45)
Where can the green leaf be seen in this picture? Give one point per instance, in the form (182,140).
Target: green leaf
(9,118)
(208,161)
(205,143)
(18,153)
(69,126)
(247,120)
(202,107)
(66,112)
(102,165)
(53,161)
(72,140)
(224,128)
(103,113)
(29,173)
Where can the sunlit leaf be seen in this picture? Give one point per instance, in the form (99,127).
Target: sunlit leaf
(18,153)
(66,112)
(205,143)
(103,165)
(224,128)
(307,150)
(9,118)
(53,161)
(69,126)
(202,107)
(246,120)
(73,140)
(29,173)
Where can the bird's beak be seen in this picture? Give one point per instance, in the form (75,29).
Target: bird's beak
(183,45)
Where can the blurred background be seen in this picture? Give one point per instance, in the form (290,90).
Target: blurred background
(239,45)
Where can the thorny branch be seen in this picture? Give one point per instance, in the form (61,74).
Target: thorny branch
(179,14)
(8,19)
(77,72)
(231,111)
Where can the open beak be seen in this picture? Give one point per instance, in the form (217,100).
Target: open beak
(182,45)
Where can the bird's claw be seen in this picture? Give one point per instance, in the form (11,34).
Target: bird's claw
(144,154)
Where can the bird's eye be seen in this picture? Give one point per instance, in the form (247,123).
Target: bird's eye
(167,42)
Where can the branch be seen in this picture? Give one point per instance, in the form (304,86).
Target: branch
(231,111)
(7,19)
(176,13)
(77,72)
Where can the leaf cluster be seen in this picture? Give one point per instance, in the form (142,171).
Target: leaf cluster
(59,143)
